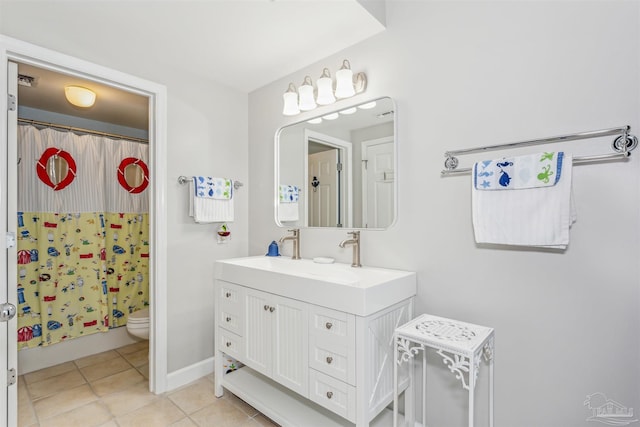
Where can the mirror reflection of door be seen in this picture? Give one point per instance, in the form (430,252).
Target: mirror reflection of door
(57,169)
(324,203)
(378,176)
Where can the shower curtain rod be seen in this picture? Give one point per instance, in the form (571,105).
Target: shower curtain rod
(81,130)
(622,146)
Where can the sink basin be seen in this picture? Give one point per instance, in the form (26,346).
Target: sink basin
(361,291)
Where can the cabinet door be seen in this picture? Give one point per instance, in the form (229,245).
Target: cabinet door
(258,336)
(291,344)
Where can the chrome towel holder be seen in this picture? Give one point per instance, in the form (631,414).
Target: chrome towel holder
(185,180)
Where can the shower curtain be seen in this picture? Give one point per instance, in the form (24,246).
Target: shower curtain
(83,234)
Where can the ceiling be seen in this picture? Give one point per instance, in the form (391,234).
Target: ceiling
(244,44)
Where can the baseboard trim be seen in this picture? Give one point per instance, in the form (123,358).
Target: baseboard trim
(189,373)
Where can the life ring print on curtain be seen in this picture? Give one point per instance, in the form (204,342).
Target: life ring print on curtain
(49,155)
(123,180)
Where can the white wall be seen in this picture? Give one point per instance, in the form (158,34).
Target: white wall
(467,74)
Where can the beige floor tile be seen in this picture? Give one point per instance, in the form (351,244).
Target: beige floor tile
(64,401)
(106,368)
(129,400)
(241,404)
(117,382)
(105,356)
(110,423)
(26,413)
(45,373)
(132,348)
(265,422)
(55,384)
(144,370)
(91,415)
(160,413)
(185,422)
(220,414)
(137,358)
(194,396)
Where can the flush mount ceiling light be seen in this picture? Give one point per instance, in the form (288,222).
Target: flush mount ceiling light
(347,84)
(80,96)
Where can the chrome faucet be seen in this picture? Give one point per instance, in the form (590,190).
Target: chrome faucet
(355,241)
(295,237)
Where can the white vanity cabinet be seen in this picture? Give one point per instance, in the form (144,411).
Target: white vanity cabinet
(276,338)
(310,360)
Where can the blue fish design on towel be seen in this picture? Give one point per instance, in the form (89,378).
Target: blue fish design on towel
(288,194)
(213,188)
(530,171)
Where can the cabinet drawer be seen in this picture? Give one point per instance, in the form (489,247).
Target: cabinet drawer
(336,396)
(333,360)
(230,343)
(231,297)
(230,320)
(337,326)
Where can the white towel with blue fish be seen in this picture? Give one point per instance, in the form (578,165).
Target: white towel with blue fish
(288,208)
(211,199)
(537,210)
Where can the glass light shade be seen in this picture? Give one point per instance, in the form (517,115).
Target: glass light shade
(344,83)
(290,104)
(80,96)
(307,101)
(331,116)
(325,89)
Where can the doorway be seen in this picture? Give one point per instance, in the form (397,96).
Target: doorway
(16,51)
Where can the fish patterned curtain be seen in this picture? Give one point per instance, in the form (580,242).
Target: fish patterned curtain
(83,244)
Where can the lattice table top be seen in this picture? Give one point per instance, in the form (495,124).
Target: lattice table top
(443,333)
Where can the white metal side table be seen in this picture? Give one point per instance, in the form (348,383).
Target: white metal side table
(461,345)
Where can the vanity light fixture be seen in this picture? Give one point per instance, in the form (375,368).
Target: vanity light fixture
(290,101)
(306,95)
(325,89)
(80,96)
(347,84)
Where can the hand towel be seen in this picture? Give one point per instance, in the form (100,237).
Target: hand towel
(531,171)
(537,216)
(213,187)
(207,210)
(288,212)
(288,194)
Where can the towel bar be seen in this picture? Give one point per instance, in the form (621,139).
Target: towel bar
(184,180)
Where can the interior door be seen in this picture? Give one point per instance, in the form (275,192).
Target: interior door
(379,182)
(8,263)
(323,198)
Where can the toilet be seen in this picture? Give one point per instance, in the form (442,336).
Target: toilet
(138,324)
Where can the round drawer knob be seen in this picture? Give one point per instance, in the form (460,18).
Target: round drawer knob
(328,325)
(329,360)
(272,309)
(266,307)
(228,294)
(228,319)
(329,394)
(228,343)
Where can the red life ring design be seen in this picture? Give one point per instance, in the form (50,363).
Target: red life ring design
(123,182)
(41,168)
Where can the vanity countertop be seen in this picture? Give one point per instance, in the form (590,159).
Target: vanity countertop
(360,291)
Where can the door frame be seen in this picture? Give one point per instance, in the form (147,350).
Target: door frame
(22,52)
(346,191)
(365,186)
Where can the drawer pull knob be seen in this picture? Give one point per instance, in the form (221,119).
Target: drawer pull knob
(328,325)
(266,307)
(329,394)
(228,343)
(272,309)
(329,360)
(228,294)
(228,319)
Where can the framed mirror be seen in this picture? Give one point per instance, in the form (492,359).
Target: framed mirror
(339,169)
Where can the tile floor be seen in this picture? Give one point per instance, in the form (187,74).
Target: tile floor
(110,389)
